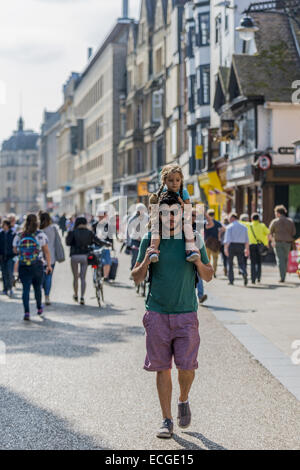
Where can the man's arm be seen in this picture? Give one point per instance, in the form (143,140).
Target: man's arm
(139,271)
(205,271)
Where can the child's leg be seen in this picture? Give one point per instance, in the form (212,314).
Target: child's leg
(155,237)
(190,244)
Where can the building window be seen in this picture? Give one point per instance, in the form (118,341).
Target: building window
(91,98)
(226,26)
(156,106)
(129,81)
(203,30)
(139,116)
(129,119)
(140,74)
(158,60)
(139,161)
(174,138)
(191,94)
(205,85)
(141,32)
(217,29)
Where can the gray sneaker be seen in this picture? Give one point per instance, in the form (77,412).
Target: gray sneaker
(166,429)
(184,415)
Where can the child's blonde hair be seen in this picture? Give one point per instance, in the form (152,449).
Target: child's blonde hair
(165,172)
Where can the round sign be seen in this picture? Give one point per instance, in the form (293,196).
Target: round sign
(264,162)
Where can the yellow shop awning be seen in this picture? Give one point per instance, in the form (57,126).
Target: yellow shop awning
(212,187)
(210,181)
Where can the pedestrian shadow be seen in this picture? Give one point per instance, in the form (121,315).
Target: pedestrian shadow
(186,444)
(27,426)
(121,285)
(210,445)
(226,309)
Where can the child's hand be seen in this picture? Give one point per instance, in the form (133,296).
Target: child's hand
(149,252)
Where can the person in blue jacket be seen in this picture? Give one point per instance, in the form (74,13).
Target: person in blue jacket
(7,257)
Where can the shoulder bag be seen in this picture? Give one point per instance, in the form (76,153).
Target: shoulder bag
(263,249)
(59,249)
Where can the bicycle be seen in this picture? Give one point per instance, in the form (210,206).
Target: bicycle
(94,260)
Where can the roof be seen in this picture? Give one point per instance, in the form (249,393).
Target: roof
(221,87)
(50,119)
(150,7)
(120,27)
(271,71)
(21,140)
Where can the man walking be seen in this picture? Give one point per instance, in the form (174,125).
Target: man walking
(283,231)
(170,320)
(236,243)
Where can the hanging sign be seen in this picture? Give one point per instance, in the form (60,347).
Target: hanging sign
(264,162)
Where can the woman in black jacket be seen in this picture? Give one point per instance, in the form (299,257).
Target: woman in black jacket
(7,257)
(80,240)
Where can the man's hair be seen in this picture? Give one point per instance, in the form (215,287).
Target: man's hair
(6,222)
(281,209)
(211,212)
(234,215)
(80,221)
(255,216)
(169,198)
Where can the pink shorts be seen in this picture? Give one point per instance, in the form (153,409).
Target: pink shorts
(171,335)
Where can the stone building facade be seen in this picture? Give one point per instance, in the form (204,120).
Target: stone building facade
(19,172)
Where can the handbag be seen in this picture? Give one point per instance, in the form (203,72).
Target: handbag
(59,249)
(263,249)
(213,244)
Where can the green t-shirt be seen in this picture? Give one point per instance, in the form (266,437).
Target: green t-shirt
(173,278)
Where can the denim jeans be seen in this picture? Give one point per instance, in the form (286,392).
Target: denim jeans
(47,281)
(31,275)
(7,268)
(200,287)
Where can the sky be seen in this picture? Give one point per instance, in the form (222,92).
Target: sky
(41,43)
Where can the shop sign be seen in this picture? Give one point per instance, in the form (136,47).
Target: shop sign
(142,188)
(264,162)
(199,152)
(286,150)
(239,173)
(190,188)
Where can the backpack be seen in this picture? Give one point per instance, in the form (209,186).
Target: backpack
(29,250)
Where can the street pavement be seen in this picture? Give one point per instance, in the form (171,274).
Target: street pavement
(74,379)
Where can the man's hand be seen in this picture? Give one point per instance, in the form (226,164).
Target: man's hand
(49,270)
(246,252)
(226,251)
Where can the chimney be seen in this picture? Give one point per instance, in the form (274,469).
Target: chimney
(90,52)
(125,8)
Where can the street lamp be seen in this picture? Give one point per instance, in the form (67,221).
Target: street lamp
(247,28)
